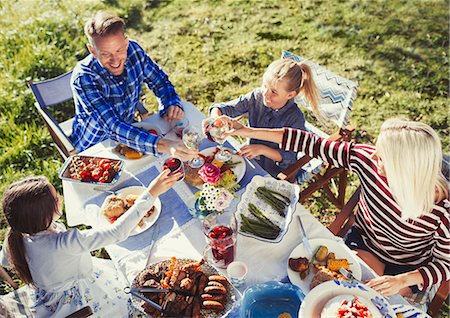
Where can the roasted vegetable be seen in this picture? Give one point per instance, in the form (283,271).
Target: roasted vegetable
(321,253)
(331,256)
(337,263)
(276,200)
(300,264)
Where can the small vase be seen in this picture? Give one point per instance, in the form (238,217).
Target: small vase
(202,213)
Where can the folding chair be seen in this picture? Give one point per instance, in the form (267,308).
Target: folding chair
(50,93)
(53,92)
(336,96)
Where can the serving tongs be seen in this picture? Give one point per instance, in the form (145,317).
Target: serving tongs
(132,291)
(161,290)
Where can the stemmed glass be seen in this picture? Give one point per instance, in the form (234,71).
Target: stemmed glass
(192,139)
(216,128)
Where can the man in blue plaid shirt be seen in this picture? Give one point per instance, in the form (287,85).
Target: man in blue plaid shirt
(106,87)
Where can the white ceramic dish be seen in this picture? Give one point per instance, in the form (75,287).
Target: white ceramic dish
(339,249)
(239,169)
(286,188)
(148,221)
(315,300)
(409,311)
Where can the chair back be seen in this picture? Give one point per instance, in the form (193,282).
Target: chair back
(50,93)
(336,94)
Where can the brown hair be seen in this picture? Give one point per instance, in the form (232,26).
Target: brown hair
(28,206)
(103,24)
(298,78)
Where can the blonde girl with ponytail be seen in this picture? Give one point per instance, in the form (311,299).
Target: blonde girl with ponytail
(273,106)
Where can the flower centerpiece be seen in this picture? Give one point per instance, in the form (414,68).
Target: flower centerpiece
(217,191)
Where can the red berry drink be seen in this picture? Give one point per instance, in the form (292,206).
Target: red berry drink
(174,165)
(222,241)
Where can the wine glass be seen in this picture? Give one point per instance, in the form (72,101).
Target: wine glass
(216,128)
(192,139)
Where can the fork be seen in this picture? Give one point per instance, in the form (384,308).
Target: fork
(349,275)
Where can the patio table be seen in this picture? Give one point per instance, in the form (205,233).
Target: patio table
(180,234)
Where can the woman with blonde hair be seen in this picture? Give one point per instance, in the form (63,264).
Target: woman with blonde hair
(402,225)
(273,106)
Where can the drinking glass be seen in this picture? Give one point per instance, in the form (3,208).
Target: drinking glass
(192,138)
(174,165)
(178,125)
(215,129)
(221,234)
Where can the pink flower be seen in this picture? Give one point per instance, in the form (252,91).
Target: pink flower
(209,173)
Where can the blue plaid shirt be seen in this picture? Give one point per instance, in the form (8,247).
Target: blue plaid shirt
(105,104)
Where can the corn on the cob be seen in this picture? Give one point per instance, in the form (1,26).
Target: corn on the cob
(337,263)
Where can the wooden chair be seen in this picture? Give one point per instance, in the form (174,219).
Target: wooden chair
(51,93)
(344,221)
(335,101)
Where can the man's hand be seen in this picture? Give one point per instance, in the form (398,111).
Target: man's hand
(173,112)
(388,285)
(176,149)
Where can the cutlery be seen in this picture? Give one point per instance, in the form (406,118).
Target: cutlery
(162,290)
(305,238)
(348,275)
(154,238)
(131,291)
(104,190)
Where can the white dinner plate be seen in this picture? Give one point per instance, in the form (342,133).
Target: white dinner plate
(339,249)
(286,188)
(148,222)
(239,169)
(317,298)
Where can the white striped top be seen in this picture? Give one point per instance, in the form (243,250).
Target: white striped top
(423,241)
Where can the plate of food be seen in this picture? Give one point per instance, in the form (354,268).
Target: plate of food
(271,299)
(266,207)
(209,294)
(336,298)
(308,272)
(236,164)
(125,152)
(91,170)
(116,205)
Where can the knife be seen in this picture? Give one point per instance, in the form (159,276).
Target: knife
(154,238)
(305,238)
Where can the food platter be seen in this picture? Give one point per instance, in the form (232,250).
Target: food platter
(316,299)
(148,221)
(286,188)
(230,297)
(239,169)
(340,250)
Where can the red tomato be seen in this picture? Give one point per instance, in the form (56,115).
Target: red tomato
(96,173)
(153,132)
(113,219)
(105,164)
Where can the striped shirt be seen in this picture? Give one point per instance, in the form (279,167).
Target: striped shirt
(105,104)
(423,241)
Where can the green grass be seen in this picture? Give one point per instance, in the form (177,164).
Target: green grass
(216,50)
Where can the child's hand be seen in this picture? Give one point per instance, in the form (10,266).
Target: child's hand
(162,183)
(236,128)
(252,151)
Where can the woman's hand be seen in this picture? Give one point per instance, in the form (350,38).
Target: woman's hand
(162,183)
(388,285)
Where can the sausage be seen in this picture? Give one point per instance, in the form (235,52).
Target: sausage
(215,290)
(217,278)
(214,283)
(212,297)
(213,305)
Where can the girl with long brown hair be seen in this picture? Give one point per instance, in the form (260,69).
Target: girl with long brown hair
(57,262)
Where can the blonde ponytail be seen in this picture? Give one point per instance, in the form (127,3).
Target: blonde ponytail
(309,89)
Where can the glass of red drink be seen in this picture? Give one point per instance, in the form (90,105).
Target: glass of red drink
(175,165)
(220,233)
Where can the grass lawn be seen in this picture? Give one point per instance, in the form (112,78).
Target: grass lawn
(216,50)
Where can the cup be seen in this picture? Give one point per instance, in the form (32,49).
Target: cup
(178,125)
(237,271)
(220,234)
(175,165)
